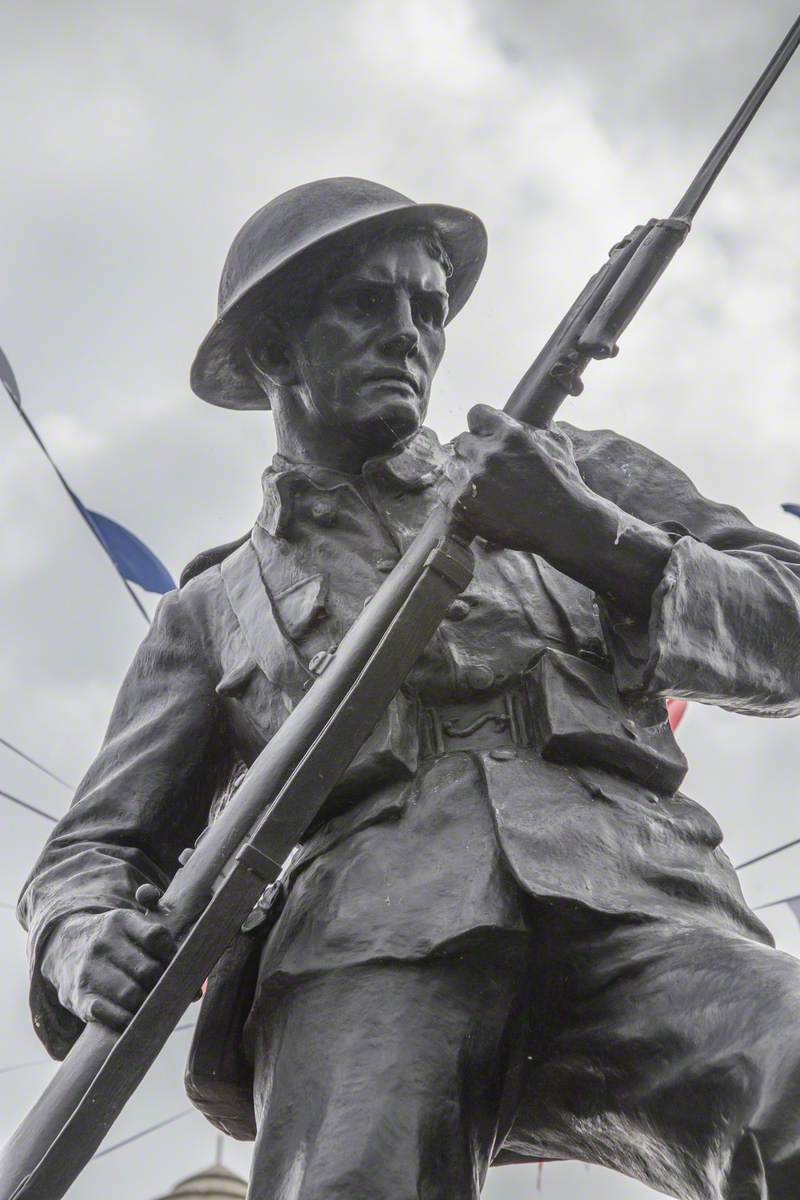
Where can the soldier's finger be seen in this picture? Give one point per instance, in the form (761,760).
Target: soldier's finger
(106,1012)
(159,942)
(119,985)
(130,995)
(136,965)
(483,419)
(151,935)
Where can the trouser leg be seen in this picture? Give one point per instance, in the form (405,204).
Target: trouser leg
(388,1081)
(673,1055)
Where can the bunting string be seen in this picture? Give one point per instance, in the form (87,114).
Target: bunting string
(35,763)
(85,514)
(142,1133)
(131,559)
(30,807)
(768,854)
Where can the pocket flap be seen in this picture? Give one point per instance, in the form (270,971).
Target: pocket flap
(302,605)
(579,717)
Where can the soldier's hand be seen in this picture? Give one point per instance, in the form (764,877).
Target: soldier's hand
(104,964)
(520,486)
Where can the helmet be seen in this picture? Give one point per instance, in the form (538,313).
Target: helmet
(284,235)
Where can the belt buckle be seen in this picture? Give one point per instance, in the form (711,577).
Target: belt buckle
(479,725)
(454,729)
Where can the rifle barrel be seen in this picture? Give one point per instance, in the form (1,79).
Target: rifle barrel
(703,180)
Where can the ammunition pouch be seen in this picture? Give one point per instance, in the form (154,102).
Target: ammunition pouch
(577,716)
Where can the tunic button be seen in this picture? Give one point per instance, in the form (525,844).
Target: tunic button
(324,511)
(480,678)
(502,755)
(385,565)
(458,610)
(631,730)
(592,648)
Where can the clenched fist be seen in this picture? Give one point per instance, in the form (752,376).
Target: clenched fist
(520,486)
(103,964)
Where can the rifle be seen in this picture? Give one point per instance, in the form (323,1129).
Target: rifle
(247,848)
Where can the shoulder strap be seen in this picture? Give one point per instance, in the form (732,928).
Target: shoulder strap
(209,558)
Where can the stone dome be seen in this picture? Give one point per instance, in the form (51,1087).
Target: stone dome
(215,1183)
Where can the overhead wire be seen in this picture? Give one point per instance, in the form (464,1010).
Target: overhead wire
(35,1062)
(768,853)
(30,807)
(34,762)
(43,1062)
(773,903)
(143,1133)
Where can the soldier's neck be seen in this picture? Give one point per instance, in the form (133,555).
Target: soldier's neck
(321,445)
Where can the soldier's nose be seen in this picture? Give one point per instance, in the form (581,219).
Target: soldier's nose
(403,341)
(402,336)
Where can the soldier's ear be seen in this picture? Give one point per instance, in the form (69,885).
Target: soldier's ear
(269,353)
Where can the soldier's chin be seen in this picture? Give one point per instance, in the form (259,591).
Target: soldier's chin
(390,422)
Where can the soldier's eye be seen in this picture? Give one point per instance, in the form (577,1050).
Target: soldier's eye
(431,310)
(366,300)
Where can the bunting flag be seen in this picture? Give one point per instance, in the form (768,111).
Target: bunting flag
(792,508)
(132,560)
(676,710)
(8,380)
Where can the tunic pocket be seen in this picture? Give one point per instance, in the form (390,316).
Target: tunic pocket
(579,717)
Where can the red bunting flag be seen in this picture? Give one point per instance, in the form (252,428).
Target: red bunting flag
(675,711)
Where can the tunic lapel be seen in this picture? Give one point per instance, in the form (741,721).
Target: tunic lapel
(267,641)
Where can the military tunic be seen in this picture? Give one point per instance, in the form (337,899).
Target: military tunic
(423,844)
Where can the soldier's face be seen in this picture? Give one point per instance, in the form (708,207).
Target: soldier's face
(367,355)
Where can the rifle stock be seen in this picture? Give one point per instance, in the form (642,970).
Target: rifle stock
(284,790)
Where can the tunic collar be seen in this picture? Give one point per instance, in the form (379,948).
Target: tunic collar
(416,467)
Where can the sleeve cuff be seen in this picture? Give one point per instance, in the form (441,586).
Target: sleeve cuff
(716,621)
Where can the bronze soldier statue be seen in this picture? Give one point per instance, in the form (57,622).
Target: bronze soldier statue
(509,936)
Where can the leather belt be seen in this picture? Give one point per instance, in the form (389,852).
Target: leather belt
(479,723)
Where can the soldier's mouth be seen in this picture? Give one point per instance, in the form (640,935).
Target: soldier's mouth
(390,376)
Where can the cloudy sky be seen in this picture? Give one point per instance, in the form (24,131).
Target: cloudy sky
(138,136)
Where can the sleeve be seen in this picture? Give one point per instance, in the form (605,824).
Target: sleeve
(724,625)
(145,797)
